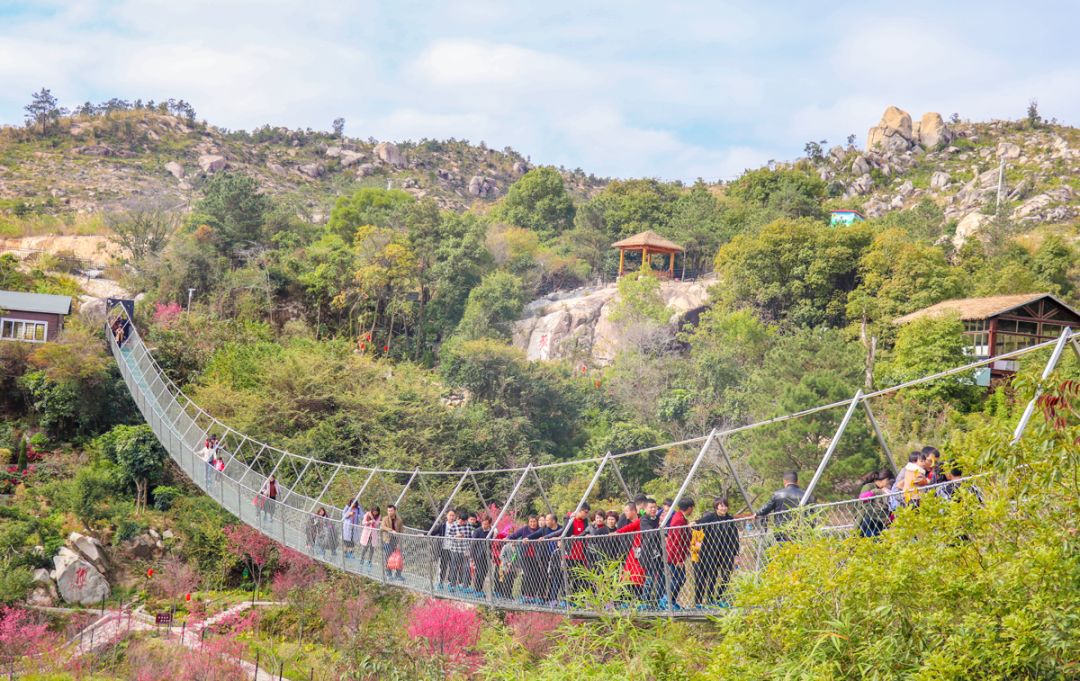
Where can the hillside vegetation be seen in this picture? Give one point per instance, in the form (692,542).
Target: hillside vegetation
(381,335)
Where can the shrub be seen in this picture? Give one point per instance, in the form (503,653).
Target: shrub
(446,630)
(533,630)
(165,496)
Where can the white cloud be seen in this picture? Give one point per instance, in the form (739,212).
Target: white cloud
(616,87)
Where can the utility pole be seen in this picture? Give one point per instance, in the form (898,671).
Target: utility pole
(1001,186)
(190,291)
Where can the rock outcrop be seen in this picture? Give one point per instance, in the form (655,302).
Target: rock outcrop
(895,132)
(212,163)
(482,186)
(77,580)
(577,324)
(175,169)
(387,152)
(969,227)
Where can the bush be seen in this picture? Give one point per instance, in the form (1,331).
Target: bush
(92,486)
(165,496)
(128,529)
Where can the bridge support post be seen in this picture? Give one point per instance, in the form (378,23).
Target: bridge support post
(622,480)
(731,468)
(1055,357)
(509,499)
(832,447)
(401,497)
(569,522)
(543,494)
(449,500)
(689,476)
(324,489)
(880,437)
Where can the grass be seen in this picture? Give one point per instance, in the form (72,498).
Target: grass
(44,224)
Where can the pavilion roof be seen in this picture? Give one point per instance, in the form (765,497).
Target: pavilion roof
(649,239)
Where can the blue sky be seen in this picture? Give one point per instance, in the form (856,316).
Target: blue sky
(676,90)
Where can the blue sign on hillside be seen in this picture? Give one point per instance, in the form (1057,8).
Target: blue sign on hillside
(845,217)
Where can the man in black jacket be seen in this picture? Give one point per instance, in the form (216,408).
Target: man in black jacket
(783,500)
(652,552)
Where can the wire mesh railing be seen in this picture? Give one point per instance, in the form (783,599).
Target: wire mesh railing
(670,563)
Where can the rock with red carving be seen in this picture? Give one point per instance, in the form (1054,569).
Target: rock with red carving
(77,580)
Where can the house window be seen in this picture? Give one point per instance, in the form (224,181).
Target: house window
(978,334)
(24,330)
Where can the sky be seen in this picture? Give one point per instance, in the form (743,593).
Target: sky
(675,90)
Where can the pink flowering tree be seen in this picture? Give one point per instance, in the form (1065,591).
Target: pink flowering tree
(446,630)
(166,313)
(251,547)
(21,634)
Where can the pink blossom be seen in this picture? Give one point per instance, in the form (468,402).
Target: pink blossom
(164,314)
(447,629)
(22,634)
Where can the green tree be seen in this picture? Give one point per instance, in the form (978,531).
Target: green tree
(21,461)
(236,210)
(898,275)
(368,206)
(492,308)
(43,111)
(538,201)
(926,346)
(143,228)
(630,436)
(794,271)
(805,369)
(626,207)
(138,456)
(790,190)
(1055,262)
(1005,573)
(698,224)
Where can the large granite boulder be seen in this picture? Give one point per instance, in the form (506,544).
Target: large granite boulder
(969,227)
(483,187)
(389,153)
(212,163)
(577,325)
(931,131)
(90,549)
(78,580)
(175,169)
(892,133)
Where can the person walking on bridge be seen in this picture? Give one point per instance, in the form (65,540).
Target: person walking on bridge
(268,497)
(677,549)
(782,502)
(369,534)
(390,531)
(530,565)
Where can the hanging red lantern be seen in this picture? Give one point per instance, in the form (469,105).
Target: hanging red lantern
(187,597)
(362,347)
(584,368)
(386,348)
(149,572)
(368,337)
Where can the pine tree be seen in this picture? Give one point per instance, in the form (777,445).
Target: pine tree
(42,110)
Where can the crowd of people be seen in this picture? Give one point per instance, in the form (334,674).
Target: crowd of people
(658,548)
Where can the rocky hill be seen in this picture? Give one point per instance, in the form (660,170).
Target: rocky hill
(92,163)
(1025,171)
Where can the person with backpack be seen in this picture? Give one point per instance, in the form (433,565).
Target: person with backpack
(389,532)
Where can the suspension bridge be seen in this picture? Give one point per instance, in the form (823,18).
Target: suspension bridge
(669,572)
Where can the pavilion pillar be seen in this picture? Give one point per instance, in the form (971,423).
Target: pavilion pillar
(671,265)
(622,259)
(645,259)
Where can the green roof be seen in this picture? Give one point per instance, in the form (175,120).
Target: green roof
(20,301)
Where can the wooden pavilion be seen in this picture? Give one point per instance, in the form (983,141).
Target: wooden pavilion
(649,243)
